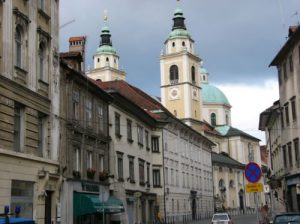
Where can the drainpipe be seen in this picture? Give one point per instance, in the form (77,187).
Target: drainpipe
(163,158)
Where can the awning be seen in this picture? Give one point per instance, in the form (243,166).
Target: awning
(84,204)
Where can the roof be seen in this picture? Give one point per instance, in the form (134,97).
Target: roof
(268,115)
(211,94)
(230,131)
(154,108)
(224,159)
(294,37)
(70,54)
(106,49)
(79,38)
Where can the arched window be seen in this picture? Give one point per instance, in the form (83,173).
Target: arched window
(193,74)
(213,119)
(183,43)
(19,43)
(107,59)
(221,183)
(98,59)
(227,119)
(174,74)
(42,59)
(173,44)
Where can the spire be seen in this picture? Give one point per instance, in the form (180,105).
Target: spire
(178,18)
(105,33)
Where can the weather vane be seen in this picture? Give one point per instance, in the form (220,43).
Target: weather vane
(105,17)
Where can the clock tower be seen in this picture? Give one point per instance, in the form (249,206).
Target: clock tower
(180,74)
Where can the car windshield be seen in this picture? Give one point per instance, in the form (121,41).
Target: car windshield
(220,217)
(286,219)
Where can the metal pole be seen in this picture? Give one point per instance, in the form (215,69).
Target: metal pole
(256,203)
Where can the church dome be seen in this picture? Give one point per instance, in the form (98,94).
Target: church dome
(211,94)
(106,49)
(179,33)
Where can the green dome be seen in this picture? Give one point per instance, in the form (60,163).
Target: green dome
(178,11)
(211,94)
(106,49)
(179,33)
(105,29)
(203,70)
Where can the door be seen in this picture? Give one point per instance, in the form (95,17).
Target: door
(48,206)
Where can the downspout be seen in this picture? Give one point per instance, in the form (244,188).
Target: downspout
(271,197)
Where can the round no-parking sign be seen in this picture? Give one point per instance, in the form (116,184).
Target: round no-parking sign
(253,172)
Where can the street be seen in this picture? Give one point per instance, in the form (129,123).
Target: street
(243,219)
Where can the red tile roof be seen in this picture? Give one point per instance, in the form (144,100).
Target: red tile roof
(135,95)
(77,38)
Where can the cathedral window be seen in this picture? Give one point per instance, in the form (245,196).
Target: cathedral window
(174,74)
(193,74)
(213,119)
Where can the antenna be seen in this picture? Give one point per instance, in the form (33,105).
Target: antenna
(67,23)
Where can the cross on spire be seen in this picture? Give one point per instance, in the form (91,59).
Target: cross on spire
(105,17)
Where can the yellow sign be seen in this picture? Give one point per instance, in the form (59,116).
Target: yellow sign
(257,187)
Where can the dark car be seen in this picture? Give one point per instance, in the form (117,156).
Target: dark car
(286,218)
(17,220)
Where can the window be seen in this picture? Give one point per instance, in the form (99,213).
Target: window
(284,71)
(120,166)
(177,178)
(290,154)
(156,178)
(172,182)
(174,74)
(89,160)
(213,119)
(117,125)
(284,156)
(294,114)
(140,134)
(76,160)
(291,63)
(131,168)
(41,134)
(100,120)
(148,174)
(18,127)
(41,62)
(287,119)
(98,60)
(155,144)
(173,44)
(296,148)
(75,104)
(42,4)
(166,176)
(129,130)
(147,139)
(88,112)
(279,76)
(193,74)
(22,195)
(227,119)
(142,171)
(107,59)
(101,162)
(19,46)
(183,43)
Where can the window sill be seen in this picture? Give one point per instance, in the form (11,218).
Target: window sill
(130,140)
(142,183)
(157,186)
(121,179)
(155,151)
(140,144)
(132,181)
(119,136)
(21,70)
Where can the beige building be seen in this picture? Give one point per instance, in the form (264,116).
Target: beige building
(29,109)
(281,123)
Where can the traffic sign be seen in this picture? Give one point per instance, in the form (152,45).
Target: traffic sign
(258,187)
(253,172)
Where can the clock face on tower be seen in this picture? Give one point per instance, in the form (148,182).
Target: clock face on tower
(174,93)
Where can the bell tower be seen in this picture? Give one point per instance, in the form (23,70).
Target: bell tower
(180,74)
(106,60)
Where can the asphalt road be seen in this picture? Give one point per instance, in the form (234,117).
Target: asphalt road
(243,219)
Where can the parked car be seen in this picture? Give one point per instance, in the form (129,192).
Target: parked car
(286,218)
(17,220)
(221,218)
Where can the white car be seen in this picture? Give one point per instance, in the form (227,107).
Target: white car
(221,218)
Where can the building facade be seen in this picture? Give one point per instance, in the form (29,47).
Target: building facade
(187,94)
(84,146)
(285,140)
(29,109)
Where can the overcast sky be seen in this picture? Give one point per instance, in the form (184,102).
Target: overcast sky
(236,39)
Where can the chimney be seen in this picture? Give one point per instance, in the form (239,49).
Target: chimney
(77,44)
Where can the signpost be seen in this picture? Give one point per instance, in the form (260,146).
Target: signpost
(253,174)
